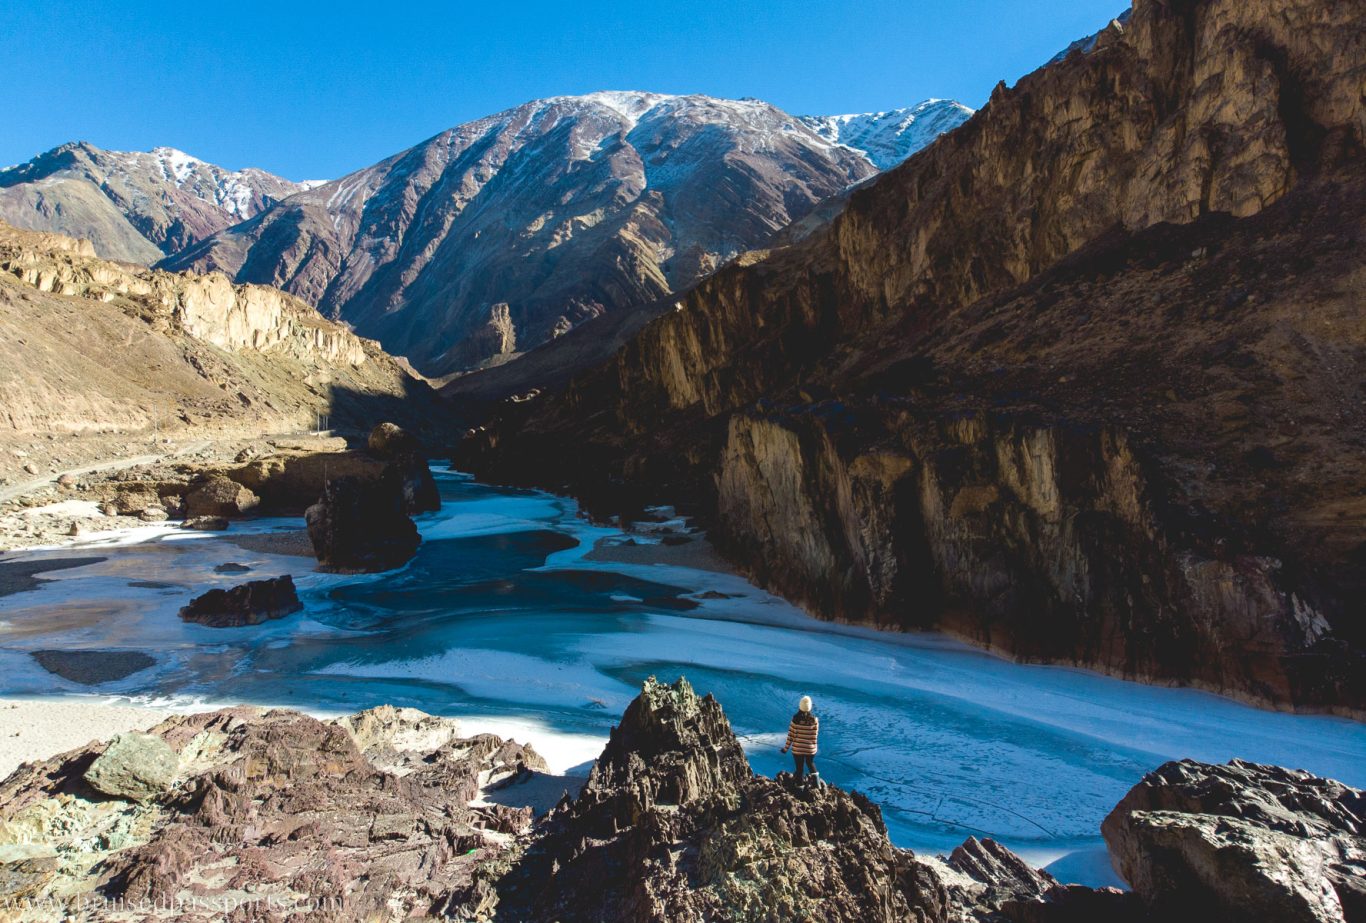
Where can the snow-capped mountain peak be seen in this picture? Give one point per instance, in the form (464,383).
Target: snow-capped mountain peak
(629,104)
(175,164)
(543,216)
(134,205)
(888,138)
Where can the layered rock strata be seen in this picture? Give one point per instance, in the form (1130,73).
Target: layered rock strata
(245,814)
(93,346)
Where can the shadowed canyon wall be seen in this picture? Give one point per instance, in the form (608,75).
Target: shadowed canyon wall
(1081,381)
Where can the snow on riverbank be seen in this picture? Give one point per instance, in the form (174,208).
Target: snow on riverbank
(35,729)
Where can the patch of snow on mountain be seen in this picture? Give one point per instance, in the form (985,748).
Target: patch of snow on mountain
(888,138)
(177,165)
(1086,44)
(629,104)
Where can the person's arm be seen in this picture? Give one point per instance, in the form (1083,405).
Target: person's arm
(789,739)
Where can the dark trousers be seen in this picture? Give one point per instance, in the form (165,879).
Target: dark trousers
(803,762)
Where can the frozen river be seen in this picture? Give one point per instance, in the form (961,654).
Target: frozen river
(502,618)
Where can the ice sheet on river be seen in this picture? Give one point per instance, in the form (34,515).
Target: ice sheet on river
(502,616)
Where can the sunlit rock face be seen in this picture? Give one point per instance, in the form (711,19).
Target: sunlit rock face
(132,205)
(1054,383)
(673,825)
(508,231)
(92,344)
(1241,841)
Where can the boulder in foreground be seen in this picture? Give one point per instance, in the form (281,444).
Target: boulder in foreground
(382,815)
(1242,841)
(248,604)
(134,767)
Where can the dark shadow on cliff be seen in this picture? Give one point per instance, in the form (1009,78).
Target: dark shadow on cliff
(352,414)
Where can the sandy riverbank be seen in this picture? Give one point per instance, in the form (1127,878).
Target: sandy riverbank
(35,729)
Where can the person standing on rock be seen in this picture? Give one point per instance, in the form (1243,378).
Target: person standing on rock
(801,739)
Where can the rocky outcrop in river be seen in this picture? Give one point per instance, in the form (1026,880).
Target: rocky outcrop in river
(362,526)
(248,604)
(1078,382)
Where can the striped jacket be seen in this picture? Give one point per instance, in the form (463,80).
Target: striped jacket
(801,734)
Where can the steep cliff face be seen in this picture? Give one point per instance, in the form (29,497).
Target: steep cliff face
(1081,381)
(92,345)
(1045,542)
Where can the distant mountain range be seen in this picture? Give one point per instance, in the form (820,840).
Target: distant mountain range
(494,236)
(133,206)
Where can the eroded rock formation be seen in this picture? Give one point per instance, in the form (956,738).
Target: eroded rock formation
(292,481)
(1076,382)
(249,815)
(90,345)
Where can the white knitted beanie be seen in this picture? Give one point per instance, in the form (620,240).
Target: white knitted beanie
(805,703)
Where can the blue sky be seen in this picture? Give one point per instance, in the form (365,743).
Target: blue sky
(313,90)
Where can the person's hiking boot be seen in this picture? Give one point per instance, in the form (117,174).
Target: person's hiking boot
(814,780)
